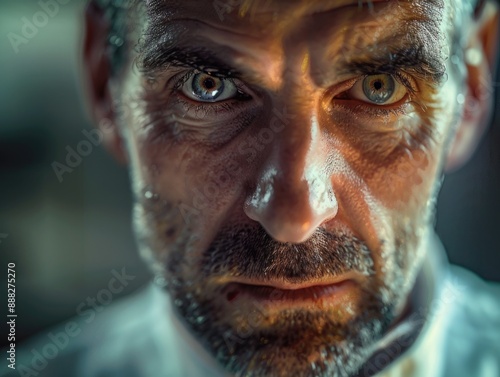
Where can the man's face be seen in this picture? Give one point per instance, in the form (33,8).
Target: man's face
(285,157)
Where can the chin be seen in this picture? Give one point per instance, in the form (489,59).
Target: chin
(294,342)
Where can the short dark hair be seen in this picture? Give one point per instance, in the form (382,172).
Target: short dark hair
(117,12)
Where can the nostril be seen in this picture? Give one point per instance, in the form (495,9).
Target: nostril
(290,207)
(294,215)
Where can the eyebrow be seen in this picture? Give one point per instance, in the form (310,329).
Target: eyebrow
(159,55)
(159,58)
(413,57)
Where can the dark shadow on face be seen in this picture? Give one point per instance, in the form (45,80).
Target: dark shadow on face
(248,339)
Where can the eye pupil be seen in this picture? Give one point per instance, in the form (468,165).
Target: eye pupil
(209,83)
(378,85)
(379,88)
(206,87)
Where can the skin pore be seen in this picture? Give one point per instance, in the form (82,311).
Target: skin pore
(282,145)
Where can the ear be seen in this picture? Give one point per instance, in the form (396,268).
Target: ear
(481,58)
(97,79)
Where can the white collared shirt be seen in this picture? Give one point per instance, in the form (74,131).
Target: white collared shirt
(142,336)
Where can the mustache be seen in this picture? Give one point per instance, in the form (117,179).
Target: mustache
(252,253)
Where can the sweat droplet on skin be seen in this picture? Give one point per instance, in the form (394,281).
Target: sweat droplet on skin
(149,194)
(200,319)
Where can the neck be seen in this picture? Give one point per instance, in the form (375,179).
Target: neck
(412,322)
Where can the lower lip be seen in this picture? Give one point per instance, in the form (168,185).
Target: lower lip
(275,296)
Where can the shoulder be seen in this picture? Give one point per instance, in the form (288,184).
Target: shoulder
(120,340)
(478,302)
(472,341)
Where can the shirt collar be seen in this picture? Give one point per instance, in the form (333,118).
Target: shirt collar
(414,345)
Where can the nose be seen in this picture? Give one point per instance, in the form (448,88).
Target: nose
(293,192)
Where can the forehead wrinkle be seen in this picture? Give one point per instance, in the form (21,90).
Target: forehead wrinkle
(299,8)
(278,9)
(271,13)
(253,56)
(341,42)
(429,25)
(244,52)
(259,56)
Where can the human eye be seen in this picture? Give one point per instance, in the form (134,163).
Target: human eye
(206,88)
(380,104)
(380,89)
(199,105)
(377,89)
(203,87)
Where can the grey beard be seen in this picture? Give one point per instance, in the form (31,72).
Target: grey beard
(246,349)
(296,336)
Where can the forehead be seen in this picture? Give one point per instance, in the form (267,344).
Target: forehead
(257,33)
(240,23)
(278,13)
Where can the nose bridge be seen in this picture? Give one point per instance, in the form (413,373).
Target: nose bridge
(292,148)
(293,194)
(300,132)
(295,154)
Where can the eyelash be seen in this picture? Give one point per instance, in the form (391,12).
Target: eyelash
(404,79)
(242,96)
(400,76)
(379,111)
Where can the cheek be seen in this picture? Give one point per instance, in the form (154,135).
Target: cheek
(405,179)
(198,183)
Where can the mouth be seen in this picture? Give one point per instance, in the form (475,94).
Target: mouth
(278,294)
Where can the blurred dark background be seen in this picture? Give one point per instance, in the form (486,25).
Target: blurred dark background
(67,237)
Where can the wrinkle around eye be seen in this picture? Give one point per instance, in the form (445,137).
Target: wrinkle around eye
(177,117)
(360,115)
(376,134)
